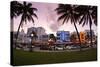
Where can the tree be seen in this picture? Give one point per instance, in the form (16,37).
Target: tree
(51,36)
(69,12)
(73,37)
(14,10)
(27,12)
(52,40)
(88,16)
(13,14)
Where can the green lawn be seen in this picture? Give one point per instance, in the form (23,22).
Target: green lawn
(31,58)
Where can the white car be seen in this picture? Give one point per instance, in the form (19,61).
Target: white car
(59,48)
(72,47)
(68,47)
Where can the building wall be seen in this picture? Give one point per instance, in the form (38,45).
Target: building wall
(45,37)
(63,36)
(88,38)
(38,30)
(88,33)
(82,37)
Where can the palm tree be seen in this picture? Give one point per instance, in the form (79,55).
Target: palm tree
(27,12)
(68,12)
(13,14)
(88,16)
(13,10)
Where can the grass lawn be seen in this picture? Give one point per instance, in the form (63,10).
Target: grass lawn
(30,58)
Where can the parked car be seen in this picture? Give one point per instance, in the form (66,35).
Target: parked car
(72,47)
(60,47)
(68,47)
(44,47)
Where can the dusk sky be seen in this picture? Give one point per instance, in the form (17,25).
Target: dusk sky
(47,18)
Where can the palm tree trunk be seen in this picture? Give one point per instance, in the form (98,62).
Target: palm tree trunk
(91,44)
(31,45)
(18,32)
(78,35)
(90,23)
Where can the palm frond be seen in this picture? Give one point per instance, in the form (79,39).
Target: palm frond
(84,22)
(64,19)
(32,20)
(35,15)
(82,19)
(29,4)
(90,20)
(61,17)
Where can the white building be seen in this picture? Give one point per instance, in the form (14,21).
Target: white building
(22,37)
(40,32)
(44,37)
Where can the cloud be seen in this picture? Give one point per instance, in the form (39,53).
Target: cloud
(52,19)
(54,27)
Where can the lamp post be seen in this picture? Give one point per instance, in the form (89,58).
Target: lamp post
(32,35)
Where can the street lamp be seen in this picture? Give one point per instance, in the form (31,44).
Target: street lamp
(32,35)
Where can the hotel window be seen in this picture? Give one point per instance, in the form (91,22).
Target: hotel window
(58,34)
(58,38)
